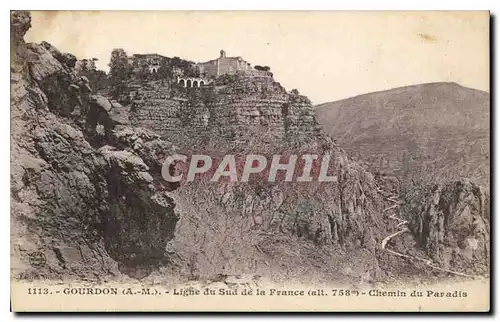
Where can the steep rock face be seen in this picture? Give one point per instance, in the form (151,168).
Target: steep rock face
(455,227)
(86,208)
(231,108)
(299,230)
(259,103)
(155,106)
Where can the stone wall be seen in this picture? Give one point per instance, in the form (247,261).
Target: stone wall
(209,68)
(229,65)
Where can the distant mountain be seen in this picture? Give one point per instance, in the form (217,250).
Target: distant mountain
(438,130)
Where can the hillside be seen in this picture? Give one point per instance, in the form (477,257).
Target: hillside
(440,129)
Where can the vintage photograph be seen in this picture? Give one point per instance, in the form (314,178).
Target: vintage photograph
(250,161)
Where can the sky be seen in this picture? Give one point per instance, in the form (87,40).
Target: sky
(327,55)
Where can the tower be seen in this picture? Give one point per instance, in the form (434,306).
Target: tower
(222,53)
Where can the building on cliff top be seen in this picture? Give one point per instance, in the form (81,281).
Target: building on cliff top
(223,65)
(210,69)
(151,62)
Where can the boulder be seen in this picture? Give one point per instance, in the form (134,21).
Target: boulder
(66,59)
(45,65)
(84,79)
(115,104)
(102,102)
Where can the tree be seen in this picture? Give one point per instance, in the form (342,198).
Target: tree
(176,62)
(188,68)
(165,71)
(262,68)
(91,63)
(97,78)
(142,73)
(119,72)
(82,66)
(119,68)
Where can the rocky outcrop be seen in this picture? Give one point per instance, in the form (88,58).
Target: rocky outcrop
(455,227)
(91,203)
(65,58)
(232,108)
(20,22)
(155,106)
(257,103)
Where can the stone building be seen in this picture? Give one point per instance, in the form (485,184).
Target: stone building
(223,65)
(151,62)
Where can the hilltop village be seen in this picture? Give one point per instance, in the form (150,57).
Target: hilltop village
(225,97)
(186,73)
(189,74)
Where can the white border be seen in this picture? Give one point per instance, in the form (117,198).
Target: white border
(256,5)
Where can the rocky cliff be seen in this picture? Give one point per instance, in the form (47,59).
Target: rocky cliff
(90,203)
(231,108)
(87,191)
(451,222)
